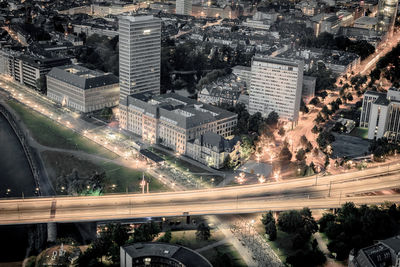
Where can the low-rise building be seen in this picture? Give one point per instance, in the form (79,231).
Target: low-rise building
(216,95)
(384,253)
(380,113)
(27,69)
(365,22)
(212,149)
(82,89)
(172,120)
(160,254)
(308,91)
(243,73)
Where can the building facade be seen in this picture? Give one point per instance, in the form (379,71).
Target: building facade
(82,89)
(387,11)
(184,7)
(212,149)
(381,114)
(276,85)
(243,73)
(139,55)
(27,69)
(172,120)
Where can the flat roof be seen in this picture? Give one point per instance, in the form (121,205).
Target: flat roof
(186,256)
(82,77)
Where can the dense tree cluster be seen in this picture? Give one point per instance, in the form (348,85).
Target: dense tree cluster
(300,225)
(354,227)
(269,223)
(327,41)
(324,139)
(190,62)
(381,147)
(111,238)
(74,184)
(325,78)
(388,65)
(203,232)
(100,53)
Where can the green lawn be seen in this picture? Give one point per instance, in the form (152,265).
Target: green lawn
(188,239)
(49,133)
(282,245)
(360,132)
(58,163)
(213,254)
(125,178)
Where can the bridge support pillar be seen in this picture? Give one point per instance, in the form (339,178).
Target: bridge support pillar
(51,232)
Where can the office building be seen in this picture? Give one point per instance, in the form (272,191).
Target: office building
(27,69)
(82,89)
(276,85)
(172,120)
(139,55)
(387,11)
(184,7)
(381,114)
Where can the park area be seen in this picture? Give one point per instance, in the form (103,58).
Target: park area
(94,159)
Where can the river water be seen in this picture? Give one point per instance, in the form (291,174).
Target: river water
(15,174)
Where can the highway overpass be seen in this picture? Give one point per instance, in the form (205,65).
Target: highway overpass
(330,192)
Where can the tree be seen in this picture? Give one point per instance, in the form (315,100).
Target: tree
(272,118)
(146,232)
(303,140)
(166,238)
(301,154)
(267,218)
(270,230)
(41,84)
(326,219)
(281,131)
(324,139)
(203,232)
(303,107)
(319,118)
(255,122)
(349,97)
(285,154)
(315,101)
(315,129)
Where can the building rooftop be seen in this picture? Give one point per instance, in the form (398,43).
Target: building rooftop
(216,141)
(185,256)
(366,20)
(392,243)
(176,109)
(279,61)
(82,77)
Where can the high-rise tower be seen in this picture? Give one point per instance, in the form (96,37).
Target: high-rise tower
(387,10)
(276,85)
(139,55)
(183,7)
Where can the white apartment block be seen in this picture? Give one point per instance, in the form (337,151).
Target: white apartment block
(381,114)
(139,55)
(276,85)
(82,89)
(172,120)
(183,7)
